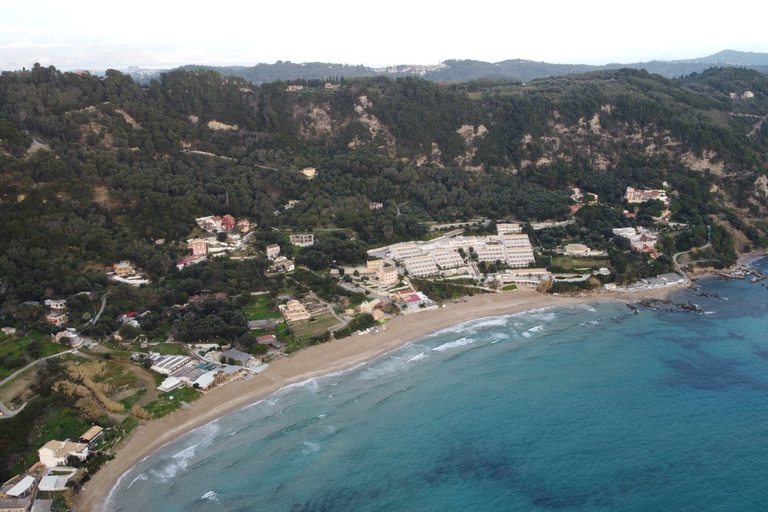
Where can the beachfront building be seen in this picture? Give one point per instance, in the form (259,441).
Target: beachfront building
(530,277)
(413,302)
(520,256)
(16,493)
(293,311)
(91,435)
(55,453)
(166,365)
(447,258)
(271,340)
(237,356)
(421,266)
(388,276)
(303,240)
(170,384)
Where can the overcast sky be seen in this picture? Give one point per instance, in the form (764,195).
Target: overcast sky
(154,34)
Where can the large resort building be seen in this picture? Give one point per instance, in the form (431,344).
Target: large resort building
(422,259)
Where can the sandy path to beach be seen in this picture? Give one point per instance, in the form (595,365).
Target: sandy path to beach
(312,362)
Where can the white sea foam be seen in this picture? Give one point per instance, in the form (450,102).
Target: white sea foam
(321,416)
(536,329)
(545,317)
(417,357)
(710,312)
(310,448)
(211,496)
(181,460)
(140,477)
(454,344)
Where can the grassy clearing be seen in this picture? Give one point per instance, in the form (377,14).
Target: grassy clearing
(316,325)
(509,287)
(15,353)
(570,262)
(129,401)
(165,405)
(63,423)
(260,310)
(170,349)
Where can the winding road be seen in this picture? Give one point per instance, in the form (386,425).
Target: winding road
(677,264)
(7,413)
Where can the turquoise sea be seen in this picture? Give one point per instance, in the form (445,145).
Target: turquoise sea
(587,408)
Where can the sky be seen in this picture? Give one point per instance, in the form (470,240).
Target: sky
(157,34)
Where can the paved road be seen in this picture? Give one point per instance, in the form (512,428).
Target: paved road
(103,305)
(677,264)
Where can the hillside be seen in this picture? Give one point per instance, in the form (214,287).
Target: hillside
(118,171)
(466,70)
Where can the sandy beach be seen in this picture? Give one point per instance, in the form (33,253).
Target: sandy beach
(313,362)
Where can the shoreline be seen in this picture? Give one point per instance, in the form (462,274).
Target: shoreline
(312,362)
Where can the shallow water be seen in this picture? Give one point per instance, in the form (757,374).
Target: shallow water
(568,408)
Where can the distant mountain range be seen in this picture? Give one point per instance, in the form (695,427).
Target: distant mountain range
(466,70)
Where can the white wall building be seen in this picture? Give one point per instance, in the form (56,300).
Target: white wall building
(55,453)
(421,266)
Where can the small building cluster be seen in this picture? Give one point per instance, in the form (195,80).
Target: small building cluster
(57,315)
(227,223)
(640,196)
(640,239)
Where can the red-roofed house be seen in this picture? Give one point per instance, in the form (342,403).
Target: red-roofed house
(228,222)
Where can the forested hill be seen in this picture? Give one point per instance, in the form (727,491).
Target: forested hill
(466,70)
(96,170)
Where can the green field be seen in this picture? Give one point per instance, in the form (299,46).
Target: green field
(14,352)
(169,349)
(260,310)
(317,325)
(571,262)
(165,405)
